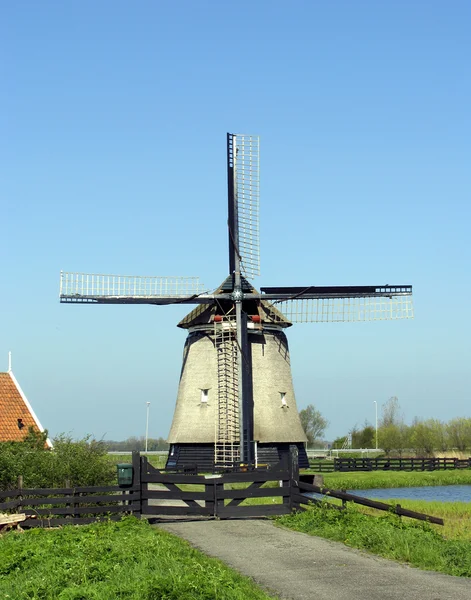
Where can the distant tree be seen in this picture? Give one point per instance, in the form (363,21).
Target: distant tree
(393,433)
(363,438)
(459,432)
(391,413)
(422,437)
(313,423)
(393,438)
(339,442)
(138,444)
(440,434)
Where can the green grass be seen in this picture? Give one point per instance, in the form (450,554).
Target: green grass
(156,460)
(404,540)
(457,516)
(107,561)
(395,479)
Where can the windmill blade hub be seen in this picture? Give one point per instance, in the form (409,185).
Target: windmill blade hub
(237,294)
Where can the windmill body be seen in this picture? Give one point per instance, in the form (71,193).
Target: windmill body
(201,420)
(236,403)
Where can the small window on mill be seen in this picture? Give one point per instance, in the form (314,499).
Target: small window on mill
(284,404)
(204,395)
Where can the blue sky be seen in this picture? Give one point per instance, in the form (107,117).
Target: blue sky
(112,160)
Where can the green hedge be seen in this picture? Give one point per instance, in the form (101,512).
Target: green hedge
(82,462)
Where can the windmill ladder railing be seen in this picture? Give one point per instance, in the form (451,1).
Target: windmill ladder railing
(227,445)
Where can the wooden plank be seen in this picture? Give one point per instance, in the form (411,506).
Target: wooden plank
(404,512)
(173,489)
(256,510)
(370,503)
(64,500)
(11,504)
(72,490)
(264,476)
(136,467)
(148,469)
(254,493)
(10,493)
(11,519)
(210,489)
(219,502)
(83,510)
(302,499)
(176,510)
(174,478)
(237,501)
(176,495)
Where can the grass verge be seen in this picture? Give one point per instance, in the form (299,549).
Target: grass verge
(404,540)
(457,516)
(395,479)
(125,560)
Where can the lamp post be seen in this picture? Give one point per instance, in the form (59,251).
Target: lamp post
(147,423)
(376,422)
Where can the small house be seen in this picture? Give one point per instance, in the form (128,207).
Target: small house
(16,413)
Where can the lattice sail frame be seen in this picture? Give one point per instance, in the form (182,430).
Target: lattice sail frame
(247,189)
(126,286)
(345,310)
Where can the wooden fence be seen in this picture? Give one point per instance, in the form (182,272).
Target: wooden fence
(306,488)
(220,495)
(70,506)
(345,464)
(156,494)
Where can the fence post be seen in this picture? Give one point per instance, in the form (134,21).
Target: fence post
(136,479)
(218,501)
(293,478)
(20,496)
(66,495)
(210,503)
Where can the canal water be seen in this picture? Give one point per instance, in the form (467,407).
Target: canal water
(441,493)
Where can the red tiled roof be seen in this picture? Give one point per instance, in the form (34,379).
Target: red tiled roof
(16,417)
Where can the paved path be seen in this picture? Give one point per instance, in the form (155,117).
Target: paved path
(298,566)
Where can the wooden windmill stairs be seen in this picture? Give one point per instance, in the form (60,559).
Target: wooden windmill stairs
(226,443)
(236,404)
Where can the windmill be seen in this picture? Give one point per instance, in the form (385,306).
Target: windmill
(236,402)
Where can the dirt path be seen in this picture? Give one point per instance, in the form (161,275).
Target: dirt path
(297,566)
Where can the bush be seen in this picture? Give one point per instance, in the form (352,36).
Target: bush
(82,462)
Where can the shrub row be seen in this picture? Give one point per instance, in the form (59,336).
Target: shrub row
(81,462)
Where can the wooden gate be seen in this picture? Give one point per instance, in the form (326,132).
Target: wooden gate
(226,495)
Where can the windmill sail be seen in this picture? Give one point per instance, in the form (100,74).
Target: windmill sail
(95,288)
(243,153)
(330,310)
(236,403)
(343,303)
